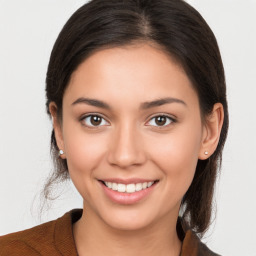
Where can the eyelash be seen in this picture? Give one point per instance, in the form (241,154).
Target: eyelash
(167,117)
(171,120)
(89,116)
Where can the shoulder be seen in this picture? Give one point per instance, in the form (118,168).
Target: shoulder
(192,246)
(27,242)
(51,238)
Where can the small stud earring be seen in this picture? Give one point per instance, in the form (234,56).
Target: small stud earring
(206,152)
(61,152)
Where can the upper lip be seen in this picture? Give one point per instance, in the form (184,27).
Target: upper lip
(127,181)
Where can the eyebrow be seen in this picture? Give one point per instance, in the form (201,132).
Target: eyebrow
(160,102)
(92,102)
(144,105)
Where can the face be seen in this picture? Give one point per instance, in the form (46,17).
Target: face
(132,134)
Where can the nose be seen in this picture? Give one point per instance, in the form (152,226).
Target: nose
(126,147)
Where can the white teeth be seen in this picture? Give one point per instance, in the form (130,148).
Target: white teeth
(121,187)
(113,186)
(109,184)
(144,185)
(150,184)
(138,186)
(129,188)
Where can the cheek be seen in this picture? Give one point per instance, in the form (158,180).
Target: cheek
(84,151)
(84,154)
(176,155)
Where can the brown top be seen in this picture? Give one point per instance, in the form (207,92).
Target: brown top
(55,238)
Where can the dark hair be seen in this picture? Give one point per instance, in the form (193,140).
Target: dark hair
(182,33)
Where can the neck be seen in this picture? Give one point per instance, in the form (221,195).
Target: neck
(94,237)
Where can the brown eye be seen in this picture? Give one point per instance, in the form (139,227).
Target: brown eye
(161,120)
(94,120)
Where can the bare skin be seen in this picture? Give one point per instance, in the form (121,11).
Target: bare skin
(132,139)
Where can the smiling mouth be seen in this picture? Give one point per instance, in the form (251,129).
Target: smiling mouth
(128,188)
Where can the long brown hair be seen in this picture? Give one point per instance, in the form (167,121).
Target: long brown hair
(182,33)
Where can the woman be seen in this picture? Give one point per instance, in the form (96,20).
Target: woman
(136,91)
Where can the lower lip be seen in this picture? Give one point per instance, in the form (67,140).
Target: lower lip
(127,198)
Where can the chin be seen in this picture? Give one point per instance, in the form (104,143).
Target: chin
(128,223)
(129,218)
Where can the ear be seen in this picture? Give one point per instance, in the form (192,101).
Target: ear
(57,128)
(211,131)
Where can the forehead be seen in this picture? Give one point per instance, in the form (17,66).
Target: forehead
(139,71)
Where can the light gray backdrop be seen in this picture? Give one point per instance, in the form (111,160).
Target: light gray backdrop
(28,30)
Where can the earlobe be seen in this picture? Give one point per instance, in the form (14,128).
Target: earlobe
(211,132)
(57,129)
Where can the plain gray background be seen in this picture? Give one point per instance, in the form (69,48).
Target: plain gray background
(28,30)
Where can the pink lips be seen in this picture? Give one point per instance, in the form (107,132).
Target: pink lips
(127,198)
